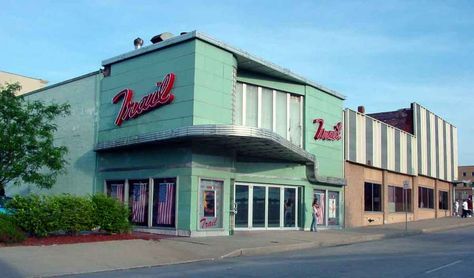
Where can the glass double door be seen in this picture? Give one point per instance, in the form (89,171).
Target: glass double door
(265,206)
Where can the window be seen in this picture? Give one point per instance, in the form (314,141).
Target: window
(116,189)
(396,199)
(425,197)
(266,108)
(443,200)
(210,203)
(463,174)
(372,197)
(472,174)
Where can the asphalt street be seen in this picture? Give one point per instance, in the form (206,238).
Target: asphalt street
(444,254)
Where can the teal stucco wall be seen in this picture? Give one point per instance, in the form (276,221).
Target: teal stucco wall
(76,132)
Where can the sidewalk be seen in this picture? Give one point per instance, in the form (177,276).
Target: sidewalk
(113,255)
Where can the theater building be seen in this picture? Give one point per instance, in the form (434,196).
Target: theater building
(200,138)
(399,164)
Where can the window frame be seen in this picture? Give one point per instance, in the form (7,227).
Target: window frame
(273,104)
(443,200)
(399,202)
(372,205)
(425,192)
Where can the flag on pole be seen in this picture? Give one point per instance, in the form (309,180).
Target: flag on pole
(139,202)
(165,204)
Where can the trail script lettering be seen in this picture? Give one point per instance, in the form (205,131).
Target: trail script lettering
(330,135)
(131,109)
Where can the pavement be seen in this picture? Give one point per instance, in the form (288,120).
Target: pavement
(56,260)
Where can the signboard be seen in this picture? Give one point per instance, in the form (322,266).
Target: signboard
(329,135)
(406,185)
(131,109)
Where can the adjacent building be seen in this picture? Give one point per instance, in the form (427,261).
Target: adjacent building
(200,138)
(397,162)
(28,84)
(464,187)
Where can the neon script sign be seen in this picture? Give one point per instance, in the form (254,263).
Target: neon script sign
(131,109)
(330,135)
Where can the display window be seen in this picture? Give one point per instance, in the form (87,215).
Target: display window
(138,201)
(164,202)
(266,206)
(116,189)
(210,204)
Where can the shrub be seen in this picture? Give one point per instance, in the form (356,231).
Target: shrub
(35,214)
(110,214)
(9,231)
(75,213)
(42,215)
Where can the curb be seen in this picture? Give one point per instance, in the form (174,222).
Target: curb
(264,250)
(298,246)
(125,268)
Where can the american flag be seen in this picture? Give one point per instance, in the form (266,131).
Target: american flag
(116,191)
(139,202)
(165,204)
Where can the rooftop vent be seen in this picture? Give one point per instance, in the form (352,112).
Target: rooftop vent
(138,42)
(161,37)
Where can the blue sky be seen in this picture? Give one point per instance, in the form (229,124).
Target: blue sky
(380,54)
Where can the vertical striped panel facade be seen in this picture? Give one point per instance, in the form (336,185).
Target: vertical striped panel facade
(374,143)
(437,145)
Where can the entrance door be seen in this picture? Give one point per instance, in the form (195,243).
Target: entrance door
(333,208)
(320,196)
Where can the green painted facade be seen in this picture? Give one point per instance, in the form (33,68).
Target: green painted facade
(206,75)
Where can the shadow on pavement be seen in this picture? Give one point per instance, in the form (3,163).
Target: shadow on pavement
(7,271)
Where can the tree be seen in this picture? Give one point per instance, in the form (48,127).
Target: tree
(27,150)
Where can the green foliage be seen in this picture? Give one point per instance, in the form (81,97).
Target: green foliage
(9,231)
(110,214)
(42,215)
(27,151)
(37,215)
(75,213)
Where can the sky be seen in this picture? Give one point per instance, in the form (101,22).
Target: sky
(380,54)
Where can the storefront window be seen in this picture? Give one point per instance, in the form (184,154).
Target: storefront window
(443,200)
(425,197)
(164,202)
(210,212)
(242,201)
(258,214)
(116,189)
(372,197)
(274,207)
(396,199)
(289,205)
(138,201)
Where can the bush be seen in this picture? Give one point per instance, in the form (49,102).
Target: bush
(110,214)
(75,213)
(42,215)
(9,231)
(35,214)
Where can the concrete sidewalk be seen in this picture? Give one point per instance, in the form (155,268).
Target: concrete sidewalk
(113,255)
